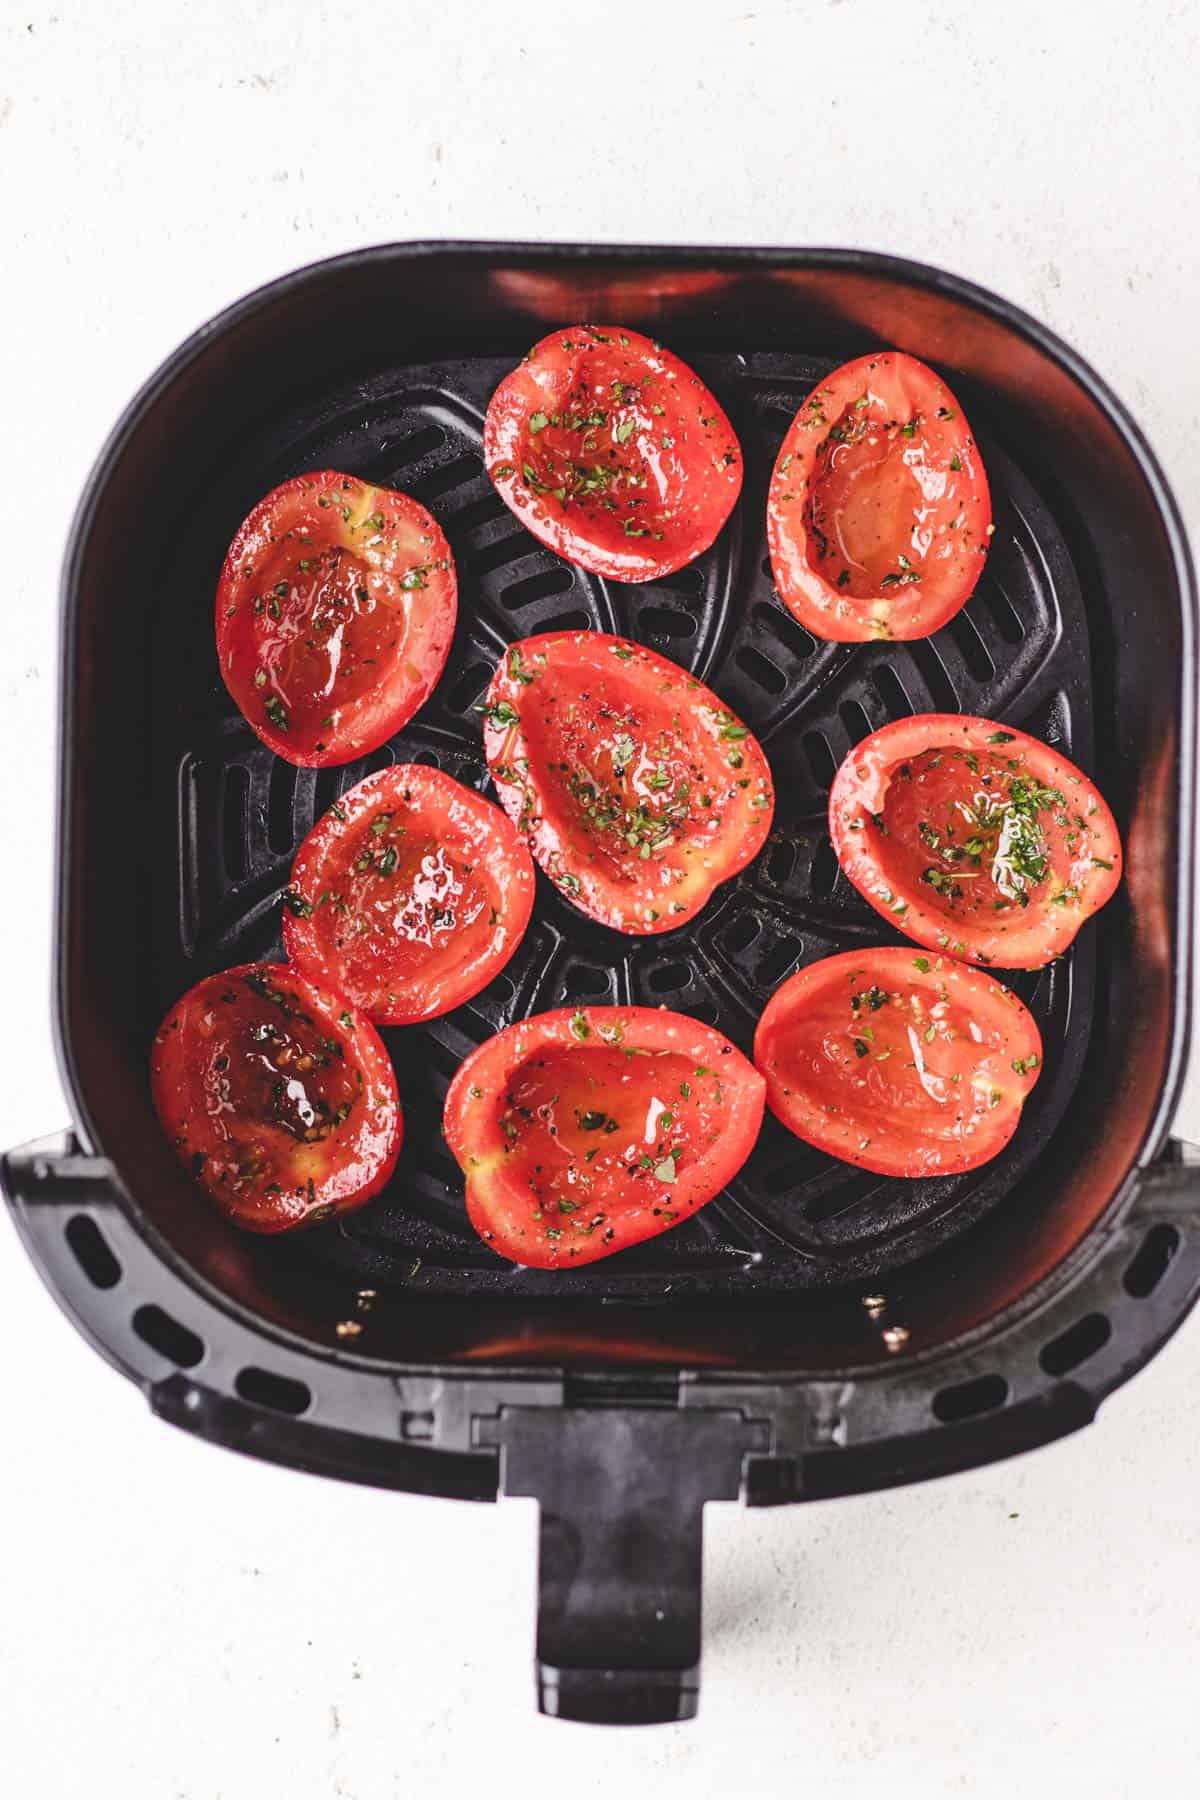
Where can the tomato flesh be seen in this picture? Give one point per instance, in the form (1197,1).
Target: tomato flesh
(974,838)
(905,1065)
(613,452)
(637,789)
(408,896)
(335,613)
(878,513)
(278,1099)
(581,1133)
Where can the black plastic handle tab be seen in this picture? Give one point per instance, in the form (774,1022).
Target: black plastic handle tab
(622,1494)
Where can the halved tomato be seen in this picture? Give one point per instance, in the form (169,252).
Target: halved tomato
(335,611)
(408,896)
(612,452)
(581,1133)
(878,512)
(278,1098)
(903,1064)
(974,838)
(637,789)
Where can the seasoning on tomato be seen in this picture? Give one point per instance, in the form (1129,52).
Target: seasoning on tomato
(974,838)
(583,1132)
(279,1099)
(612,452)
(878,512)
(903,1064)
(335,611)
(408,896)
(637,789)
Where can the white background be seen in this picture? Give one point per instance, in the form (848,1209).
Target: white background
(175,1621)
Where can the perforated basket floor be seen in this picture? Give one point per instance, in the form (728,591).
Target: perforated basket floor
(794,1218)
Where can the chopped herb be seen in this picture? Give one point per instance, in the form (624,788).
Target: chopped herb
(275,712)
(579,1025)
(665,1170)
(538,422)
(921,963)
(1023,1064)
(296,904)
(1000,737)
(501,713)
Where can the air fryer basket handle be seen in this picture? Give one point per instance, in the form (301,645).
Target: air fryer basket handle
(622,1494)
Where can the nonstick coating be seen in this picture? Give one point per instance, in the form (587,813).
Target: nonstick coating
(1020,652)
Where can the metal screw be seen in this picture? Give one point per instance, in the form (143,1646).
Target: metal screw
(348,1328)
(895,1337)
(875,1304)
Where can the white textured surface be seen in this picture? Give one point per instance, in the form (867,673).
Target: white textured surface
(177,1622)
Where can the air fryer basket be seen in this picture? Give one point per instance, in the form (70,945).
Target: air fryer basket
(816,1330)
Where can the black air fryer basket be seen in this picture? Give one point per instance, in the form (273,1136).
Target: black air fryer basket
(816,1330)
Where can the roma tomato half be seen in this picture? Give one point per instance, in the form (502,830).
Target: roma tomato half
(335,612)
(878,512)
(408,896)
(581,1133)
(903,1064)
(278,1098)
(974,838)
(612,452)
(636,788)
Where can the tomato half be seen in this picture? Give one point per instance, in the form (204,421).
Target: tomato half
(335,611)
(408,896)
(903,1064)
(612,452)
(279,1100)
(878,512)
(637,789)
(581,1133)
(974,838)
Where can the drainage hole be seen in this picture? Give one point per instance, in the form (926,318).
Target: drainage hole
(1075,1345)
(261,1388)
(166,1335)
(90,1250)
(969,1398)
(1152,1261)
(668,978)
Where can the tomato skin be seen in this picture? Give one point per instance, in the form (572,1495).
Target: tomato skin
(612,452)
(249,1072)
(644,745)
(880,454)
(903,1065)
(335,613)
(436,849)
(954,905)
(552,1183)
